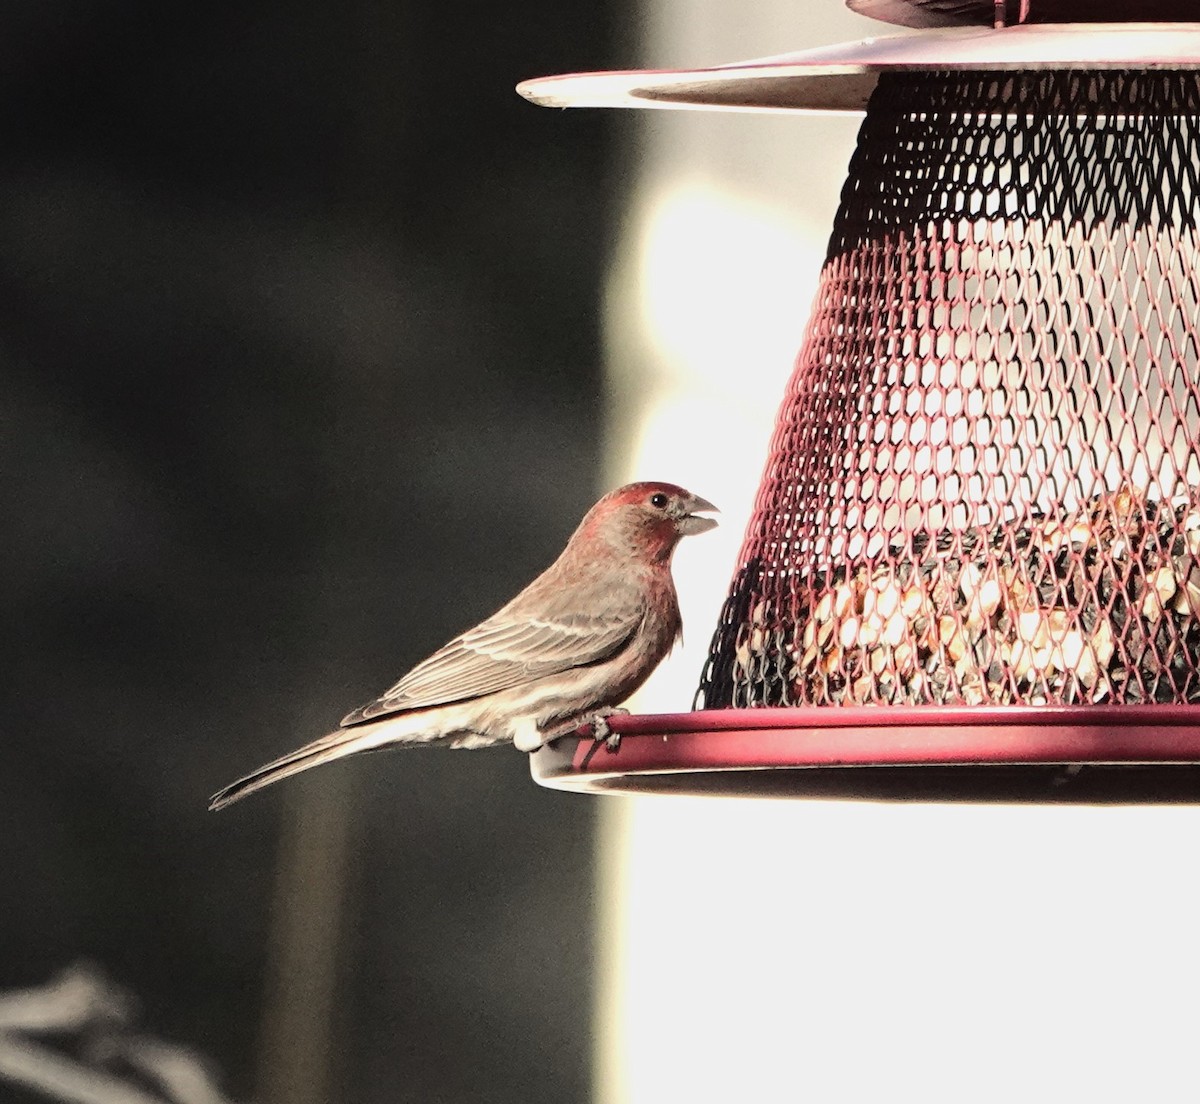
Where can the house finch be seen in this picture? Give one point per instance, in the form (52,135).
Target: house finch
(568,649)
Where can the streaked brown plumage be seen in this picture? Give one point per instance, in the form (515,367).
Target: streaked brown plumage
(571,646)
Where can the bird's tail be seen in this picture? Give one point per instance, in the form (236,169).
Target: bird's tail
(337,745)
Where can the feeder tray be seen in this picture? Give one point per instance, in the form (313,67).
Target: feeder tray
(973,569)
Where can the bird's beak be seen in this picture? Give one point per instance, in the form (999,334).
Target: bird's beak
(691,522)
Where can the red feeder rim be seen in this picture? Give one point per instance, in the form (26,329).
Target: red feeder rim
(1045,754)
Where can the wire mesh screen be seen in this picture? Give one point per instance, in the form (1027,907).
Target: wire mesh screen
(984,485)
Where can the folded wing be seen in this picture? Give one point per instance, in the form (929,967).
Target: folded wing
(506,650)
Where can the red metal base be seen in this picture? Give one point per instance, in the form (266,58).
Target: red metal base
(1057,754)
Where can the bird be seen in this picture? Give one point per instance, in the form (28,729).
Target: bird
(565,652)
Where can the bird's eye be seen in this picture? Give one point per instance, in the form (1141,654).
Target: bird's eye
(658,501)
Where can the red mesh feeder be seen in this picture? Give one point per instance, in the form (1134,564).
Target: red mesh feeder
(973,569)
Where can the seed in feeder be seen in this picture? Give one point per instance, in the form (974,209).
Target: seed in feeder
(1058,622)
(1122,503)
(809,637)
(1086,669)
(1103,643)
(1013,614)
(1160,586)
(973,692)
(1163,580)
(922,628)
(824,633)
(893,631)
(1187,597)
(1080,534)
(1017,588)
(889,600)
(1042,661)
(1070,650)
(1029,624)
(1192,586)
(968,580)
(989,597)
(1017,656)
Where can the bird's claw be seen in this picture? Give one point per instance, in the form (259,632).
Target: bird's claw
(603,733)
(602,730)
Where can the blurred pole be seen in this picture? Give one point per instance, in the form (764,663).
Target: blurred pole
(306,924)
(319,821)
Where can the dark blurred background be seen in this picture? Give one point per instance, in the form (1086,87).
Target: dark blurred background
(301,376)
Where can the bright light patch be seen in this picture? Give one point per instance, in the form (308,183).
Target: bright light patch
(725,287)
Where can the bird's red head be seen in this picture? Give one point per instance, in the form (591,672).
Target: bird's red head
(646,520)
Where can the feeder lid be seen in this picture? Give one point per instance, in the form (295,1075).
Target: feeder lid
(1061,754)
(982,13)
(842,77)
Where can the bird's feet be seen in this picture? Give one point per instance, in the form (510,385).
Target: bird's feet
(602,730)
(602,733)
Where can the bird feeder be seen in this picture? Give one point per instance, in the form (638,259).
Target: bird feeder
(973,567)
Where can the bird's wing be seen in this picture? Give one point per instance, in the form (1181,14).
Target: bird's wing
(505,651)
